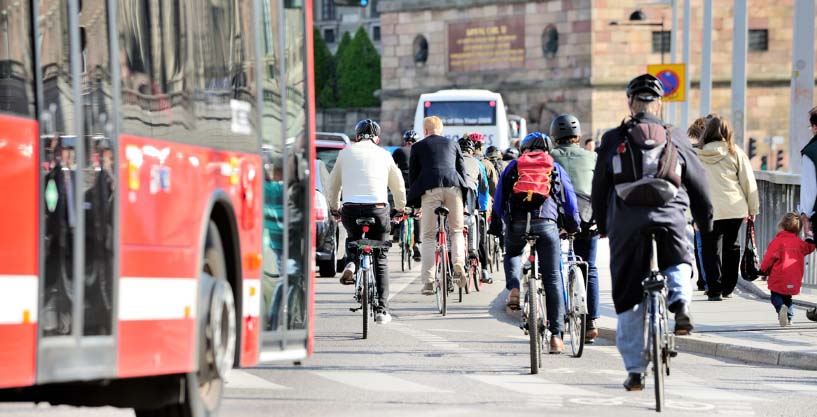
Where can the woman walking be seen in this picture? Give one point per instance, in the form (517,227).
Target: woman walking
(733,190)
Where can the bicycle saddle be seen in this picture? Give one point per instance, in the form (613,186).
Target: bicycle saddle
(441,211)
(365,221)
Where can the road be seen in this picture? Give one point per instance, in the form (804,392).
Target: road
(475,362)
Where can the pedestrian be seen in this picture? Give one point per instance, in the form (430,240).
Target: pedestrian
(784,263)
(579,163)
(734,195)
(401,157)
(808,177)
(627,203)
(437,178)
(590,145)
(694,132)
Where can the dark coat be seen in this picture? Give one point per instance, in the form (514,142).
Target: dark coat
(401,157)
(435,162)
(625,225)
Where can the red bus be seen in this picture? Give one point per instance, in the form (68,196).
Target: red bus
(157,224)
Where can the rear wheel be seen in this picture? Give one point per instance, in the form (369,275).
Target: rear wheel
(439,277)
(657,363)
(364,300)
(575,322)
(533,326)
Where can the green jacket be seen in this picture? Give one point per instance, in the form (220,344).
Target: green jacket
(579,164)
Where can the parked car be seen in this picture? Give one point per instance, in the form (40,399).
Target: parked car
(329,253)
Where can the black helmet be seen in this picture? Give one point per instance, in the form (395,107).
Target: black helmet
(645,88)
(493,152)
(510,153)
(811,314)
(410,136)
(366,129)
(536,141)
(466,144)
(565,126)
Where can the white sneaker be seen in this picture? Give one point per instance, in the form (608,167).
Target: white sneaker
(459,275)
(783,316)
(348,277)
(382,317)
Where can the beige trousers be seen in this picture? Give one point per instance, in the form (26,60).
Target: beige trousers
(451,198)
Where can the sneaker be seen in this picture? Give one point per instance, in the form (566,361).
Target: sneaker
(348,277)
(513,300)
(382,317)
(634,382)
(459,275)
(557,346)
(486,277)
(683,320)
(783,317)
(428,288)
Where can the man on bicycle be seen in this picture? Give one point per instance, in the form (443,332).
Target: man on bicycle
(476,200)
(486,200)
(401,157)
(364,173)
(557,210)
(567,131)
(644,151)
(437,177)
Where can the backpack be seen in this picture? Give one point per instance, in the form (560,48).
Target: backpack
(533,185)
(646,166)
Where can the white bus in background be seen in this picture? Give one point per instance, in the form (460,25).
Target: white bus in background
(518,128)
(471,111)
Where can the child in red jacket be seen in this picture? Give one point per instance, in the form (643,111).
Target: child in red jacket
(784,263)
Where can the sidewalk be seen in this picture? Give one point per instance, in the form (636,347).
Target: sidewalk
(744,327)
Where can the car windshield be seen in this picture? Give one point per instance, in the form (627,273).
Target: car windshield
(463,113)
(328,156)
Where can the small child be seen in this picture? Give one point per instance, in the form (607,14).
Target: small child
(784,263)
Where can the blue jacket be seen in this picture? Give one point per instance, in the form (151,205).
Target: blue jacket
(482,196)
(562,201)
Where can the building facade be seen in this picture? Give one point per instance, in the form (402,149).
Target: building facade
(549,57)
(332,21)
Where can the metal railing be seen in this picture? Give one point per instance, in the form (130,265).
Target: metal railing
(779,193)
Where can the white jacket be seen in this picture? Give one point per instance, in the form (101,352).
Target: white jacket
(363,172)
(732,185)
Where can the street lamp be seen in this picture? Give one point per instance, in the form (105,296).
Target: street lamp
(638,18)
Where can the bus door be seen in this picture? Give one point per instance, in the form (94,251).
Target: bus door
(77,320)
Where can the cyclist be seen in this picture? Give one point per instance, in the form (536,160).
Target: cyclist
(476,200)
(558,207)
(566,130)
(625,220)
(510,154)
(436,177)
(494,156)
(401,157)
(364,172)
(492,176)
(485,202)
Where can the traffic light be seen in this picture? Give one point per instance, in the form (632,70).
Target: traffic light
(779,162)
(353,3)
(752,148)
(764,163)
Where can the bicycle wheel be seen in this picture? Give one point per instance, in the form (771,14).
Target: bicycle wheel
(657,362)
(576,323)
(409,241)
(439,278)
(533,327)
(364,301)
(403,256)
(446,278)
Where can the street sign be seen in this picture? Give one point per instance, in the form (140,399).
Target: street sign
(673,77)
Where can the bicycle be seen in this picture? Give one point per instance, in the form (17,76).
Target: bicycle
(443,279)
(575,297)
(533,320)
(406,240)
(659,340)
(471,259)
(365,284)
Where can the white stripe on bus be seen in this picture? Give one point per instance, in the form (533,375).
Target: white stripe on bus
(18,299)
(252,298)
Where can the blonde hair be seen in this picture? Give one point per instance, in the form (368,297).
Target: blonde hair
(718,129)
(791,223)
(433,124)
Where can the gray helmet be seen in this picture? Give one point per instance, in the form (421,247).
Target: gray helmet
(565,126)
(645,87)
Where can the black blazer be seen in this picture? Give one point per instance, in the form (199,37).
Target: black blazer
(435,162)
(401,157)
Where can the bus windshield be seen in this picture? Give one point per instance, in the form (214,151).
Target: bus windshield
(463,113)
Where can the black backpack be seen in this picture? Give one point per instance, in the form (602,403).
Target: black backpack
(646,166)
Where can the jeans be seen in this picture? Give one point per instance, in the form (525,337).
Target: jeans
(378,231)
(586,249)
(721,256)
(699,262)
(548,249)
(779,300)
(630,332)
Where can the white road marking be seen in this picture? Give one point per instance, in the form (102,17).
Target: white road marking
(376,381)
(811,388)
(526,384)
(397,285)
(238,379)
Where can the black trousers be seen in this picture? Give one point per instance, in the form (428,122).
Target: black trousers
(721,256)
(378,231)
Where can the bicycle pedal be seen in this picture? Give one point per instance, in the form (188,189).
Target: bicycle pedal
(355,310)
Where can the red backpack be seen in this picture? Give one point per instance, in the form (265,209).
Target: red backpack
(533,186)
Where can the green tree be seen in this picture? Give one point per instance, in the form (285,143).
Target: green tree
(358,72)
(345,40)
(325,82)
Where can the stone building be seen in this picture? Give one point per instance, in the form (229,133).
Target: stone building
(333,20)
(558,56)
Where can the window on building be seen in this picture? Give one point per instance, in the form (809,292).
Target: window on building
(376,33)
(758,40)
(420,49)
(328,10)
(661,41)
(373,8)
(329,35)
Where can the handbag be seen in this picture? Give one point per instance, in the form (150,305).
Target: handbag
(750,265)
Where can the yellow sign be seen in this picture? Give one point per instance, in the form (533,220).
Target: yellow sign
(673,77)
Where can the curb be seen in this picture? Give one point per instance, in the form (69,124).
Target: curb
(797,360)
(750,287)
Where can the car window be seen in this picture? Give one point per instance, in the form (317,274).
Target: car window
(328,156)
